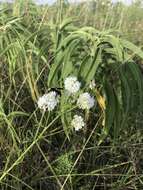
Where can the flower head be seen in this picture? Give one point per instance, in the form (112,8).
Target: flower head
(85,101)
(48,101)
(72,85)
(77,123)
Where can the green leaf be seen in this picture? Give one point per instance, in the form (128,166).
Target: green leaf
(133,48)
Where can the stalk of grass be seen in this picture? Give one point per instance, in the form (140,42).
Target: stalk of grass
(39,137)
(78,157)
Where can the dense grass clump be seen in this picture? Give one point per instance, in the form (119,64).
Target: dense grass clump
(71,97)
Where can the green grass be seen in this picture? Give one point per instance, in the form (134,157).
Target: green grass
(39,48)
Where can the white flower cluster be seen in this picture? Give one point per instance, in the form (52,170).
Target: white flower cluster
(72,85)
(85,101)
(48,101)
(77,123)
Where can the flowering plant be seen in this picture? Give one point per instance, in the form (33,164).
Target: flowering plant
(72,91)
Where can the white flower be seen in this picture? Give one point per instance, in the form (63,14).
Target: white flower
(85,101)
(92,84)
(72,85)
(77,123)
(48,101)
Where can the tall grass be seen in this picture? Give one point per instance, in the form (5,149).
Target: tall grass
(39,48)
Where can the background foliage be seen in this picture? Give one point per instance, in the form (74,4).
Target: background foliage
(39,47)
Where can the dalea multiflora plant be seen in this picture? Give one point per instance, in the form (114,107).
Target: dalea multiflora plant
(96,76)
(75,99)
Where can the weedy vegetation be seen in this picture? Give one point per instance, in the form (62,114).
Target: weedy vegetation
(71,96)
